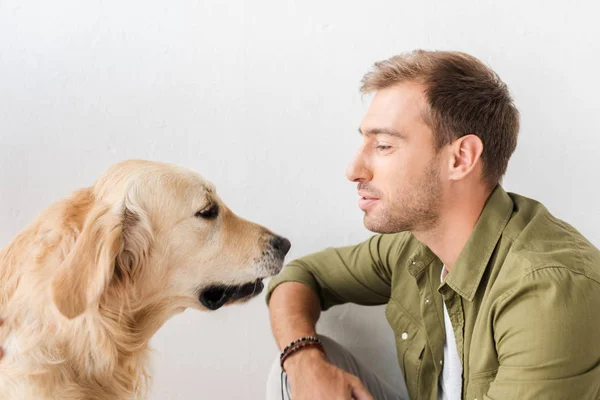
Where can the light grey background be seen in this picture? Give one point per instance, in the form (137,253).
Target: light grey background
(262,98)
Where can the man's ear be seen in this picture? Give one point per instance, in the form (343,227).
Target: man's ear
(113,241)
(465,156)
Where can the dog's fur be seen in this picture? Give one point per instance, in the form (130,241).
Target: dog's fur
(87,284)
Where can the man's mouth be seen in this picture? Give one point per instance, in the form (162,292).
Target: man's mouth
(366,201)
(216,296)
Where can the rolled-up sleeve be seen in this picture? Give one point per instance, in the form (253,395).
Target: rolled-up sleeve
(547,333)
(358,274)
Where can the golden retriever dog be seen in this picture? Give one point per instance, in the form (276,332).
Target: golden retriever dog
(86,285)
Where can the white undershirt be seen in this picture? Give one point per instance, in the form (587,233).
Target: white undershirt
(451,377)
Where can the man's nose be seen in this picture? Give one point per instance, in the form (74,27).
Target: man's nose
(358,170)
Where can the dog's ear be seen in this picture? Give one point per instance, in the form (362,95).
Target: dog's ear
(137,239)
(114,242)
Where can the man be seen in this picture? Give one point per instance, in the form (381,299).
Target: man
(488,294)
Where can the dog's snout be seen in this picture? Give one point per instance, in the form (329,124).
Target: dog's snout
(281,245)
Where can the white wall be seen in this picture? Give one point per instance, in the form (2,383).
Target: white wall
(262,98)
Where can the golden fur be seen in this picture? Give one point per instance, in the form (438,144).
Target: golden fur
(86,285)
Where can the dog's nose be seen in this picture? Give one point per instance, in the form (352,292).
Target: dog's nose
(281,245)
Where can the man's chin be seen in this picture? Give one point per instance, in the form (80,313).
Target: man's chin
(377,226)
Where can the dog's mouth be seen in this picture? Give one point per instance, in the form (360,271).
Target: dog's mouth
(214,297)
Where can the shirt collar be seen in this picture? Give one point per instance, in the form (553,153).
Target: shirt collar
(466,273)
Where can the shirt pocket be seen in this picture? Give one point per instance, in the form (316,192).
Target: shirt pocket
(410,345)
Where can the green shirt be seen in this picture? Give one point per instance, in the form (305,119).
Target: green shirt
(523,298)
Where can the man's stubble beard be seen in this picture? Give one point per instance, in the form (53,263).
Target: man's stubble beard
(417,208)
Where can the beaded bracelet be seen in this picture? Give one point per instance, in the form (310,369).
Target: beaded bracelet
(308,341)
(302,339)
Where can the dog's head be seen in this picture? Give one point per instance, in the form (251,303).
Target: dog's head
(159,230)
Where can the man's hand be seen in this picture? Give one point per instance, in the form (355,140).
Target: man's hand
(294,310)
(312,377)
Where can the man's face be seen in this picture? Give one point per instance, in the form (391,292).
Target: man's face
(397,168)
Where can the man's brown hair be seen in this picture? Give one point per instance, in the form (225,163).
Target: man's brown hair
(465,97)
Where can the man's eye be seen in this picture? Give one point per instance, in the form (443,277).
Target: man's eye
(383,147)
(210,212)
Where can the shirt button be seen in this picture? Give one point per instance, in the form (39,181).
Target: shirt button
(404,336)
(413,262)
(426,301)
(442,362)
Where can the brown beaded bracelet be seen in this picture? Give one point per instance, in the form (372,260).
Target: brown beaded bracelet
(300,340)
(298,345)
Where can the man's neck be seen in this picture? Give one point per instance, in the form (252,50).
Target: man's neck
(455,225)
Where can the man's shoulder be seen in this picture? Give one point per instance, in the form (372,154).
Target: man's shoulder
(537,239)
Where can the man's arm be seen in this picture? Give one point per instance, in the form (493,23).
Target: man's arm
(547,334)
(294,310)
(359,274)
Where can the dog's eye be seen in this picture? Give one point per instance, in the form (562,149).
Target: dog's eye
(210,212)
